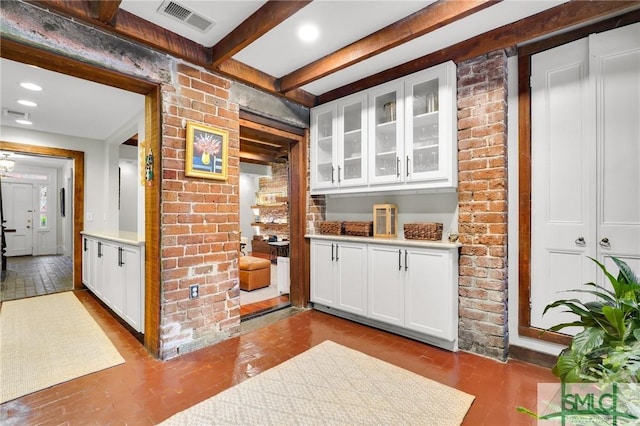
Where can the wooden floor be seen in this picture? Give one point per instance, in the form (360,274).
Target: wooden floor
(145,391)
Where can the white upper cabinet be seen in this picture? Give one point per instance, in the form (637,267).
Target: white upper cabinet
(352,141)
(386,129)
(324,146)
(430,152)
(339,151)
(399,135)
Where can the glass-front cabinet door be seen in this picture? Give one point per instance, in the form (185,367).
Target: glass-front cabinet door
(324,147)
(386,116)
(352,141)
(428,124)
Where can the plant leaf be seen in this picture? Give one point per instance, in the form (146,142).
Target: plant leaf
(615,316)
(587,340)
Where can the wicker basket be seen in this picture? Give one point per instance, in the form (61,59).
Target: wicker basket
(330,227)
(358,229)
(423,231)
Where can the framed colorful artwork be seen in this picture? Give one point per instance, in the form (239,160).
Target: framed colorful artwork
(207,152)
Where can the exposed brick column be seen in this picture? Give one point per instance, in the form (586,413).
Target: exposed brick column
(482,194)
(200,219)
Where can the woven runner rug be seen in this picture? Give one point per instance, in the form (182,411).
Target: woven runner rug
(331,385)
(47,340)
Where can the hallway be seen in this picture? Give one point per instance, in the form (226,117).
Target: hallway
(28,276)
(145,391)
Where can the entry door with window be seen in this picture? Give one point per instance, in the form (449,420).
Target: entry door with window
(585,149)
(17,201)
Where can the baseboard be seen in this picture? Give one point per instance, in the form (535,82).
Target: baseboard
(531,356)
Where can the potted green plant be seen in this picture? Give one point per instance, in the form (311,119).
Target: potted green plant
(607,349)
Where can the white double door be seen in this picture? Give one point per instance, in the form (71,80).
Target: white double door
(585,153)
(17,205)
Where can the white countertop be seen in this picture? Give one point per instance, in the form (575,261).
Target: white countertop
(123,237)
(388,241)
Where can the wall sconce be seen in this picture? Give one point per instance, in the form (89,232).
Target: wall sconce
(6,164)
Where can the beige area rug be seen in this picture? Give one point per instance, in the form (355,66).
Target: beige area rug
(47,340)
(331,385)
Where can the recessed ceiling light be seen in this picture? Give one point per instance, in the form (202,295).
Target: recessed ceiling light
(31,86)
(27,122)
(27,103)
(308,32)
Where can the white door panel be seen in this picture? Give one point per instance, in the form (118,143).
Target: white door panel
(562,164)
(615,62)
(585,155)
(18,214)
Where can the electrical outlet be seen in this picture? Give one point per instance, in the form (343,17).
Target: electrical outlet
(194,291)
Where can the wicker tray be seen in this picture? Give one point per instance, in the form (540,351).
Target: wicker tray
(423,231)
(359,229)
(330,227)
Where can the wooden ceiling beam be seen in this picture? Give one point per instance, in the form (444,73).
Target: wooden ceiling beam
(254,140)
(257,158)
(552,20)
(132,27)
(260,80)
(424,21)
(105,10)
(270,15)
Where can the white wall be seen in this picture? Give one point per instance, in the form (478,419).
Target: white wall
(65,224)
(129,183)
(249,175)
(95,202)
(412,208)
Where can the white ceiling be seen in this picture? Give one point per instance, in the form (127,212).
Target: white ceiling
(341,22)
(80,108)
(66,105)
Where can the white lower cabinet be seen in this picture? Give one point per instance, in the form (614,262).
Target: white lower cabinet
(413,290)
(114,273)
(340,271)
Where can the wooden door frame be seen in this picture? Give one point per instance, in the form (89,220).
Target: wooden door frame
(31,55)
(298,160)
(78,193)
(524,168)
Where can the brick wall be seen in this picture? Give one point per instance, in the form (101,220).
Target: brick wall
(482,194)
(200,219)
(278,182)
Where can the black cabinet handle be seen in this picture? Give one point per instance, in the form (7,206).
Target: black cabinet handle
(332,180)
(85,244)
(336,252)
(406,264)
(99,249)
(399,260)
(332,258)
(120,262)
(407,165)
(338,174)
(397,166)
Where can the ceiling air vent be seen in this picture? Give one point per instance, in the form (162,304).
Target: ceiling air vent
(17,115)
(184,14)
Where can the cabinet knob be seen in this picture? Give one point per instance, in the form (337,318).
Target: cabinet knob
(605,243)
(580,241)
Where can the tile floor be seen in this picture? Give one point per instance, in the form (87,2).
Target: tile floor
(145,391)
(28,276)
